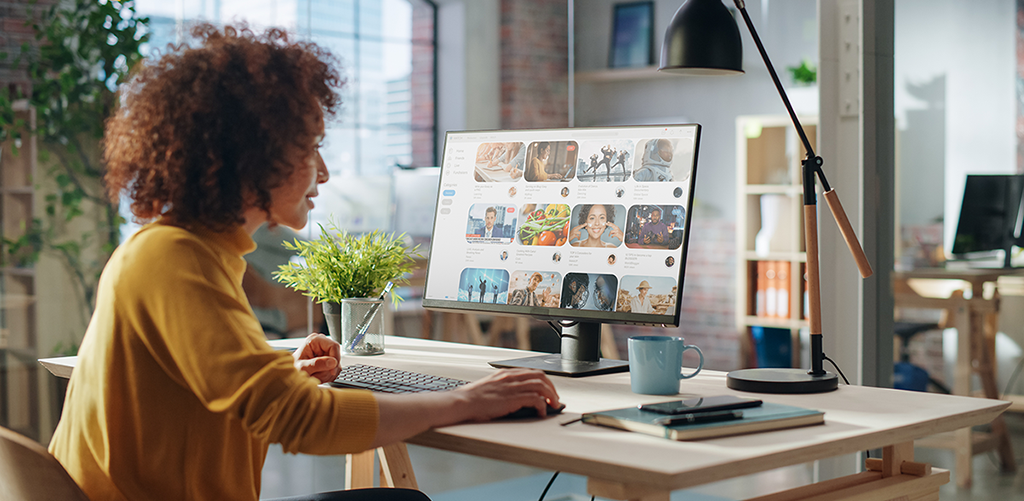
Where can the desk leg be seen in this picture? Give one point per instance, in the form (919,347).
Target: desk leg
(963,449)
(625,492)
(395,467)
(985,347)
(359,470)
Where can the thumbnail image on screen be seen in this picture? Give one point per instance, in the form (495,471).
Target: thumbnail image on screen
(551,161)
(663,160)
(597,225)
(589,291)
(491,224)
(646,294)
(605,161)
(499,162)
(655,226)
(535,288)
(483,285)
(544,224)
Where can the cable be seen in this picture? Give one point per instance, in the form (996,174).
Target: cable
(840,371)
(867,453)
(555,327)
(546,487)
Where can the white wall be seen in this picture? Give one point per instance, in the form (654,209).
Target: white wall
(972,46)
(788,30)
(468,66)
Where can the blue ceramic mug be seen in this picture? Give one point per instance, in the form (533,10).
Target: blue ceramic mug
(656,364)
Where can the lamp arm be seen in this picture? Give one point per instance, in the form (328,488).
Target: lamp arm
(812,164)
(741,5)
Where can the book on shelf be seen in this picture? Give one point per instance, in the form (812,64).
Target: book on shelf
(772,286)
(760,284)
(782,289)
(767,417)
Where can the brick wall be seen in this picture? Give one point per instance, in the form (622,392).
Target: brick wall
(708,307)
(534,64)
(423,85)
(1020,86)
(14,33)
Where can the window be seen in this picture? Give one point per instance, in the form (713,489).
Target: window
(387,53)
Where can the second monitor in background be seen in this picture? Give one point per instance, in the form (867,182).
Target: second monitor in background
(990,218)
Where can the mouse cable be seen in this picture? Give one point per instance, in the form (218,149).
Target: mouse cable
(546,487)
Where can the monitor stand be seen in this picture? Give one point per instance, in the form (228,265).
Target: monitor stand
(580,355)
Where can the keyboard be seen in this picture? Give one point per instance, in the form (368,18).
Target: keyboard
(384,380)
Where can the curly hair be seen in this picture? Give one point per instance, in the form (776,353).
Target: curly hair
(609,211)
(206,132)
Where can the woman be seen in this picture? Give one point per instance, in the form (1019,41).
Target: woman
(538,166)
(176,394)
(596,219)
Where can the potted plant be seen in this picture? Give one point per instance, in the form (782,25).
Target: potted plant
(346,273)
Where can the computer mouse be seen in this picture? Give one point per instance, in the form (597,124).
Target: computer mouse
(531,412)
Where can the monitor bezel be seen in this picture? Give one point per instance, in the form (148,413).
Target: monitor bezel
(545,313)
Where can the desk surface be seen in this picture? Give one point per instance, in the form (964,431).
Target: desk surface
(968,274)
(856,418)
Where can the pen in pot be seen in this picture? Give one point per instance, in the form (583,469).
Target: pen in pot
(365,324)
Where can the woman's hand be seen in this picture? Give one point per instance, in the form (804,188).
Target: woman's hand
(319,356)
(615,232)
(500,393)
(575,234)
(506,391)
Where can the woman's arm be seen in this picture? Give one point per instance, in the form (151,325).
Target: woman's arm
(402,416)
(498,394)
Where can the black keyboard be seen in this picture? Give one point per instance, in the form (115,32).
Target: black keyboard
(384,380)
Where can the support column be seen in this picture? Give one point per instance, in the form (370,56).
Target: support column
(857,143)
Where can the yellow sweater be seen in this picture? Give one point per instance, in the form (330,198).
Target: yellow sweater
(176,394)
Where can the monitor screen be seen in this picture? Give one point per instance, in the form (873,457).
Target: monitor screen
(585,224)
(989,214)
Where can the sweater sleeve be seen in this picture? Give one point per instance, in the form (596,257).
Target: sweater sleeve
(195,321)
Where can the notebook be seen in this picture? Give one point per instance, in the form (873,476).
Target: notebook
(767,417)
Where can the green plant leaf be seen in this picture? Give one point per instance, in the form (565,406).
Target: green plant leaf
(338,265)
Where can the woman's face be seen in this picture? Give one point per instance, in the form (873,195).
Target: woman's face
(291,202)
(597,221)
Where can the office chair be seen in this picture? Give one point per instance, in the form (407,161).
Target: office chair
(908,376)
(28,472)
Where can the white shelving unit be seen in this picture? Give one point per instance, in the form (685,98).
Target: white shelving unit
(768,163)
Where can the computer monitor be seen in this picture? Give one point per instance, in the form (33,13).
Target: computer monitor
(990,216)
(582,226)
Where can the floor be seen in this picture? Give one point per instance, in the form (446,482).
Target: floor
(446,476)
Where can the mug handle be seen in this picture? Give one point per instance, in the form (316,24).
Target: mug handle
(699,366)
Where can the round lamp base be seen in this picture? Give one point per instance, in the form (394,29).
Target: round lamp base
(781,381)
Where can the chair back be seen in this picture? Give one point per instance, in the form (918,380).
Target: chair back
(28,472)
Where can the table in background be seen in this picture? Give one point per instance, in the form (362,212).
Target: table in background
(624,465)
(977,321)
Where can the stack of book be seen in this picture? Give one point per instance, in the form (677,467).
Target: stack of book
(772,284)
(701,425)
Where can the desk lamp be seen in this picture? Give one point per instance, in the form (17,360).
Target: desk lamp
(703,39)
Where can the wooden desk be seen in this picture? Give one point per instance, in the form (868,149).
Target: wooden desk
(976,320)
(623,465)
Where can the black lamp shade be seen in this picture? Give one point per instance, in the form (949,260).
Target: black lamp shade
(702,39)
